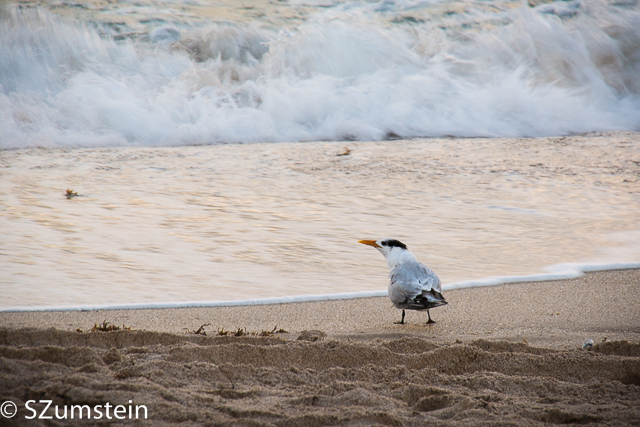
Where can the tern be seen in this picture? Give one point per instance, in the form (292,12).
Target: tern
(412,285)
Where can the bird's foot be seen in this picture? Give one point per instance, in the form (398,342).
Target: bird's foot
(429,321)
(399,323)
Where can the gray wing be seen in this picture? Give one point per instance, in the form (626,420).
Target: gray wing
(416,276)
(431,279)
(414,284)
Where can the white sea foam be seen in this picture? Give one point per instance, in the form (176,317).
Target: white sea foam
(356,70)
(554,272)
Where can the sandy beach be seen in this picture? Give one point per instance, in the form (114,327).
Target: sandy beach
(503,355)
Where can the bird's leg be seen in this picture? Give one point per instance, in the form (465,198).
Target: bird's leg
(402,321)
(429,321)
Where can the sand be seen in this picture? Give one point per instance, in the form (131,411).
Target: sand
(505,355)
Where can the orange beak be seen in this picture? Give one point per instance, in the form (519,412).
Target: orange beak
(370,243)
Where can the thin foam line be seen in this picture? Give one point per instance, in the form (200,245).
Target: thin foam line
(554,272)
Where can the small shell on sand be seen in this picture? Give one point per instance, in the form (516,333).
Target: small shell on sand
(587,344)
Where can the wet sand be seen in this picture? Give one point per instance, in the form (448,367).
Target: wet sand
(503,355)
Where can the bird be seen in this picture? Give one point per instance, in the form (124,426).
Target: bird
(412,285)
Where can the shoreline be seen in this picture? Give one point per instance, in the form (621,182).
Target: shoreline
(502,355)
(554,272)
(558,314)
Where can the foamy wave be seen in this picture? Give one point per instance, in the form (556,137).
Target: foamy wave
(348,73)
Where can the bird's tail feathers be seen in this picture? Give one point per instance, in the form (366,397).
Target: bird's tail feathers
(427,300)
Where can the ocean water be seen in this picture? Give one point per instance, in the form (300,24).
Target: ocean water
(166,73)
(206,141)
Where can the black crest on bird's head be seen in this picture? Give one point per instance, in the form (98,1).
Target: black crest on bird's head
(393,243)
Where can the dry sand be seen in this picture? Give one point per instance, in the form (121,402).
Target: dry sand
(506,355)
